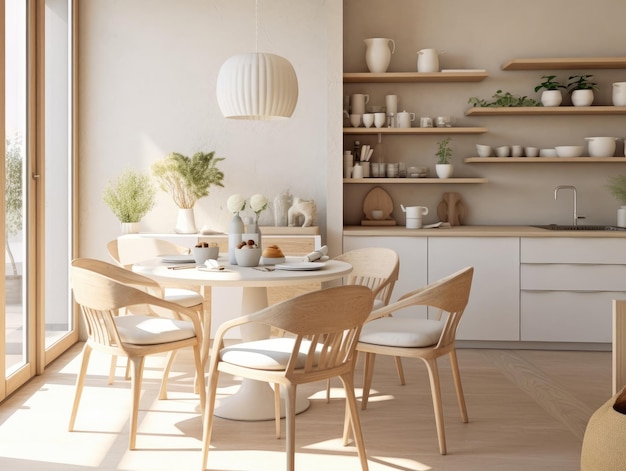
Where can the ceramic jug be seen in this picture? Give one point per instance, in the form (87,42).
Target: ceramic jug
(428,60)
(619,94)
(378,54)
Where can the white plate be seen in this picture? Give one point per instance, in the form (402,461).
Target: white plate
(300,266)
(183,258)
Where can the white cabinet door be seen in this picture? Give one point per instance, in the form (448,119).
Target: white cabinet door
(493,309)
(413,258)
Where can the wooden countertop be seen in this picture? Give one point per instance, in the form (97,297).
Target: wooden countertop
(475,231)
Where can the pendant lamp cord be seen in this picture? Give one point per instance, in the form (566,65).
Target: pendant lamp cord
(256,24)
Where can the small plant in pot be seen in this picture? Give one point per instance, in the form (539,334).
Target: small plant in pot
(551,95)
(187,179)
(130,196)
(617,187)
(443,167)
(581,89)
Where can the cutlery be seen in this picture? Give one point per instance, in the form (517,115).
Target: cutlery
(182,267)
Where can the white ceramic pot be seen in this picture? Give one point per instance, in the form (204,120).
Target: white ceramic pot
(619,94)
(601,146)
(378,54)
(582,97)
(186,222)
(129,227)
(444,170)
(551,98)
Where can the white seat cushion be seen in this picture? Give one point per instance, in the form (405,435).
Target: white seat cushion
(148,330)
(183,297)
(402,332)
(269,354)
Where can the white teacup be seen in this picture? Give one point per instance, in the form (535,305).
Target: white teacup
(355,120)
(531,151)
(483,150)
(377,213)
(380,119)
(503,151)
(368,120)
(517,151)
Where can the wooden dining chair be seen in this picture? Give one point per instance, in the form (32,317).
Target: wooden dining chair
(378,269)
(100,297)
(138,249)
(426,339)
(323,328)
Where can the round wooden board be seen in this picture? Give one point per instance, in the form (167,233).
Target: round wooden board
(378,198)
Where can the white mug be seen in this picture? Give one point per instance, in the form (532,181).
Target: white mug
(358,102)
(415,212)
(380,119)
(368,120)
(404,119)
(355,120)
(413,223)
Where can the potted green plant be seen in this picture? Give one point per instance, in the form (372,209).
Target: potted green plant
(13,195)
(443,167)
(187,179)
(581,89)
(502,99)
(551,95)
(130,196)
(617,187)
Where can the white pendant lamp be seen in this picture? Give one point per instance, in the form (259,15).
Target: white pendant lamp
(257,86)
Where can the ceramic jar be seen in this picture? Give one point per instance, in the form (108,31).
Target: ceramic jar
(619,94)
(428,60)
(378,54)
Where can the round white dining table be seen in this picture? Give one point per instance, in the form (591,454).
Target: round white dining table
(254,400)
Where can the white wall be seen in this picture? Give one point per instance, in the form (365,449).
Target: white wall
(484,34)
(148,70)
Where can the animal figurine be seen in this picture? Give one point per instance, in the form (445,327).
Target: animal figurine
(302,207)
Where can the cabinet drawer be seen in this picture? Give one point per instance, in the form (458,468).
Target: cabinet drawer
(560,316)
(566,277)
(573,250)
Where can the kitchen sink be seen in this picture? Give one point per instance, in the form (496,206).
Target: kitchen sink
(558,227)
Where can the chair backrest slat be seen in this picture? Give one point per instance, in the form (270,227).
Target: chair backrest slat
(376,267)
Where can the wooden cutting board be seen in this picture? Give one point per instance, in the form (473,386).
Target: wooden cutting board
(377,198)
(452,209)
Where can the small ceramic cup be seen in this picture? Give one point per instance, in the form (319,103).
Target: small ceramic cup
(531,151)
(483,150)
(377,214)
(517,151)
(368,120)
(380,119)
(503,151)
(355,120)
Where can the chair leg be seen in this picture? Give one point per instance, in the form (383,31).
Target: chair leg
(456,375)
(290,419)
(207,427)
(166,374)
(277,409)
(80,382)
(197,354)
(435,390)
(327,391)
(368,373)
(400,370)
(348,384)
(136,377)
(112,369)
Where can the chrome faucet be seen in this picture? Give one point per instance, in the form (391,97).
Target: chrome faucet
(573,188)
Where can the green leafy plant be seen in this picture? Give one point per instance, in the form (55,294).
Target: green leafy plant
(130,196)
(549,83)
(444,152)
(617,187)
(13,194)
(581,82)
(503,99)
(187,179)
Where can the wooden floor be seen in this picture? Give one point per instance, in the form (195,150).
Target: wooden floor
(527,409)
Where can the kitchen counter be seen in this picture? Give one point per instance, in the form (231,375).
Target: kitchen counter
(476,231)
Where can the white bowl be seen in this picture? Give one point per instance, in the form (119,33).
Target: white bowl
(377,214)
(248,257)
(531,151)
(569,151)
(601,146)
(503,151)
(547,153)
(483,150)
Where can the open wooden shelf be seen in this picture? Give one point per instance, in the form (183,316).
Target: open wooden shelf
(414,180)
(412,77)
(528,160)
(546,110)
(412,131)
(561,63)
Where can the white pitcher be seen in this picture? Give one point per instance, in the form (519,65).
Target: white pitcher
(378,54)
(619,94)
(428,60)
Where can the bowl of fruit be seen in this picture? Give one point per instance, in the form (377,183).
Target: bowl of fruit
(248,254)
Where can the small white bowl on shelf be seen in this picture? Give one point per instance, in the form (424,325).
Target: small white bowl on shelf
(547,153)
(483,150)
(569,151)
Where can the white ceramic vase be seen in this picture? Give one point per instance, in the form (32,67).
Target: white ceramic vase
(582,97)
(378,54)
(444,170)
(619,94)
(551,98)
(129,227)
(235,230)
(621,217)
(186,222)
